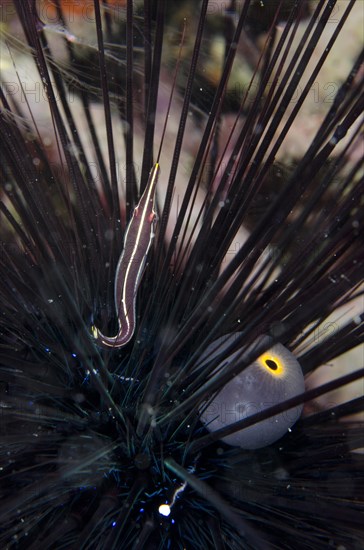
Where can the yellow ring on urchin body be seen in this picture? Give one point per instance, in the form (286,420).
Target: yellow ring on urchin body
(272,363)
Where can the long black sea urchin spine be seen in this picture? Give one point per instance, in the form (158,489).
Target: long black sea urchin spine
(94,442)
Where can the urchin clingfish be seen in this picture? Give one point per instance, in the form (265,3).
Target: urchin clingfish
(130,268)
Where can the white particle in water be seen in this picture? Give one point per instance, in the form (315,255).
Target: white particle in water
(164,510)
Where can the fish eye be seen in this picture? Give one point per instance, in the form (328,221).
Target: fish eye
(272,378)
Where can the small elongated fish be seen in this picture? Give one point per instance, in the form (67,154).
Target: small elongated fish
(130,268)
